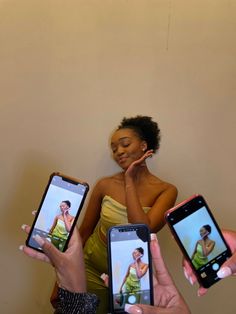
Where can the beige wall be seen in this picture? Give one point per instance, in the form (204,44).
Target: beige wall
(70,70)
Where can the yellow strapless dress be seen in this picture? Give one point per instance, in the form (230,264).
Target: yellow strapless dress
(95,250)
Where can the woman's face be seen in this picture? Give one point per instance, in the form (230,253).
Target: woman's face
(136,254)
(63,206)
(127,147)
(203,232)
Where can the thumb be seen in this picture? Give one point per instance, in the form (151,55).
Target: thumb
(145,309)
(228,268)
(49,249)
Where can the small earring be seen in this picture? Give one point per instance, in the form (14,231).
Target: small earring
(143,149)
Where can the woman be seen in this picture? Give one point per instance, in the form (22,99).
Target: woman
(203,247)
(134,195)
(135,272)
(61,226)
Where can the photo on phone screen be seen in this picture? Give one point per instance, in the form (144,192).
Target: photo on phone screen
(58,212)
(130,273)
(199,237)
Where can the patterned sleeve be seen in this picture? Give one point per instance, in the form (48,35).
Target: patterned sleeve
(75,303)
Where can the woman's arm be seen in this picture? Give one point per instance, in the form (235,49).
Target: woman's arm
(165,200)
(195,249)
(207,248)
(70,273)
(155,216)
(54,224)
(67,221)
(124,280)
(141,271)
(92,213)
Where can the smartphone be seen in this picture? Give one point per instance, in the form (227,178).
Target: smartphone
(58,211)
(199,237)
(130,267)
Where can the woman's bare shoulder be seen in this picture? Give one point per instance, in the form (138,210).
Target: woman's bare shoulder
(103,183)
(163,184)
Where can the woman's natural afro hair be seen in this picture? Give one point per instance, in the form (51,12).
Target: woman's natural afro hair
(145,128)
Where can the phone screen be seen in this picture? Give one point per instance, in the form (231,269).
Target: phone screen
(130,275)
(199,237)
(58,211)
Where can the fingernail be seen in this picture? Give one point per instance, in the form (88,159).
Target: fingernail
(39,240)
(23,227)
(153,236)
(104,276)
(191,281)
(188,277)
(21,247)
(133,309)
(34,212)
(185,273)
(224,272)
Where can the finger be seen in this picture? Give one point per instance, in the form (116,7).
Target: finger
(201,291)
(75,239)
(228,268)
(230,236)
(146,309)
(162,273)
(188,272)
(34,254)
(133,309)
(34,212)
(105,279)
(26,228)
(49,249)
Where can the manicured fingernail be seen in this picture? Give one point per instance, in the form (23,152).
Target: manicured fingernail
(224,272)
(104,276)
(153,236)
(23,227)
(185,273)
(39,240)
(188,277)
(133,309)
(21,247)
(191,281)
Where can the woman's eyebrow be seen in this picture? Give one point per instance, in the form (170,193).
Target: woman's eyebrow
(120,139)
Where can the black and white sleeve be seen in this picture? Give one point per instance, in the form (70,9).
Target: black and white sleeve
(74,303)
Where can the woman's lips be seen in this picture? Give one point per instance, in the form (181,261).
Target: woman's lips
(122,160)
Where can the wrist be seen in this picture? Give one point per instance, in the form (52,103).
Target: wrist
(73,286)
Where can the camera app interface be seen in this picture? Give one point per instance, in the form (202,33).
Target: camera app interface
(202,241)
(130,268)
(58,211)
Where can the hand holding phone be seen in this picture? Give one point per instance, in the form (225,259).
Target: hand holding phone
(199,237)
(166,295)
(58,211)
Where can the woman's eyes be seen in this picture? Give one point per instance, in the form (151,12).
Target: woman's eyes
(114,149)
(125,144)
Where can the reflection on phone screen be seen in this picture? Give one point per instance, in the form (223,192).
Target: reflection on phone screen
(58,210)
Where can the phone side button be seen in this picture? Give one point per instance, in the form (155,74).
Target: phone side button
(215,266)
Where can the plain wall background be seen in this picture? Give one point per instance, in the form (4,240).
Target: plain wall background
(69,71)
